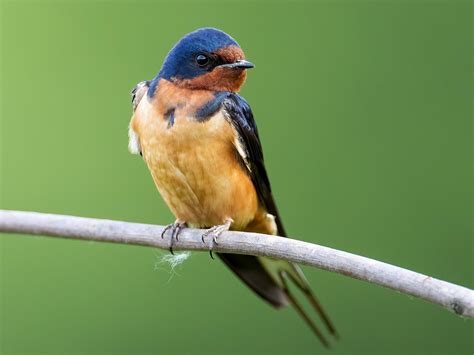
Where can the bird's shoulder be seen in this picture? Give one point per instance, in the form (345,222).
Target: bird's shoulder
(138,92)
(239,112)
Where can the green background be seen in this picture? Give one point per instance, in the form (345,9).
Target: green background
(364,109)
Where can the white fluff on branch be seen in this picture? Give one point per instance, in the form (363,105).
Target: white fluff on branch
(176,259)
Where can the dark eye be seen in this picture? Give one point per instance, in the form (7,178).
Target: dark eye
(202,60)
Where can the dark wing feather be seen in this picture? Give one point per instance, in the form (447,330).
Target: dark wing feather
(249,268)
(241,117)
(251,271)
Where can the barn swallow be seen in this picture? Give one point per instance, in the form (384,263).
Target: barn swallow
(200,142)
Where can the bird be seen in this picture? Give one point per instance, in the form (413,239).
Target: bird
(199,139)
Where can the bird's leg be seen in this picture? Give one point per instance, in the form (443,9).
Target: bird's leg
(175,229)
(215,232)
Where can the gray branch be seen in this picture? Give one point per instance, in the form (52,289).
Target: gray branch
(456,298)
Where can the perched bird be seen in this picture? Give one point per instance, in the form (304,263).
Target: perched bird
(200,142)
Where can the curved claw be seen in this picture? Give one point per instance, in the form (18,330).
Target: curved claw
(175,228)
(166,229)
(215,231)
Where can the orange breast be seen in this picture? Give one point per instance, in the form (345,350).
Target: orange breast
(195,168)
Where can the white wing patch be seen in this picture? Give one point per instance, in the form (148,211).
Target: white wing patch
(242,152)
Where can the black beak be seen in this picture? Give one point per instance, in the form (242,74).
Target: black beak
(239,64)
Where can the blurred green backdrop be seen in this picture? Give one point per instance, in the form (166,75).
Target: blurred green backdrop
(364,110)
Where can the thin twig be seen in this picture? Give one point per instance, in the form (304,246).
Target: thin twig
(456,298)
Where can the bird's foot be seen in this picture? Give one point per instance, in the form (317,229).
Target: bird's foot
(215,232)
(175,229)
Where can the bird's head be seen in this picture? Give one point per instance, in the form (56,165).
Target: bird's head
(206,59)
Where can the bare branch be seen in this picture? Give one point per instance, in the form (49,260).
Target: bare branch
(453,297)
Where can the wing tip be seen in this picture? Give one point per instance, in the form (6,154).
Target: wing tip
(250,271)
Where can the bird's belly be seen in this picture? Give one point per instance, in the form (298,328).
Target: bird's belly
(195,168)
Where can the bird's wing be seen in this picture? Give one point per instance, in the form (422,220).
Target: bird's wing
(267,277)
(138,92)
(241,117)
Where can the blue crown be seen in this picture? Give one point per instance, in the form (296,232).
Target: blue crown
(180,61)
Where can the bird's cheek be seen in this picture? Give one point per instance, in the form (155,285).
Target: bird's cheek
(220,79)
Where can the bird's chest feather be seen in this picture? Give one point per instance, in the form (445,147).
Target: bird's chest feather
(194,166)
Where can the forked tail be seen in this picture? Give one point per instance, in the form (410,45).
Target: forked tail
(270,279)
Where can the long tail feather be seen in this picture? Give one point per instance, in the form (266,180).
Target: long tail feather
(269,278)
(301,311)
(315,303)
